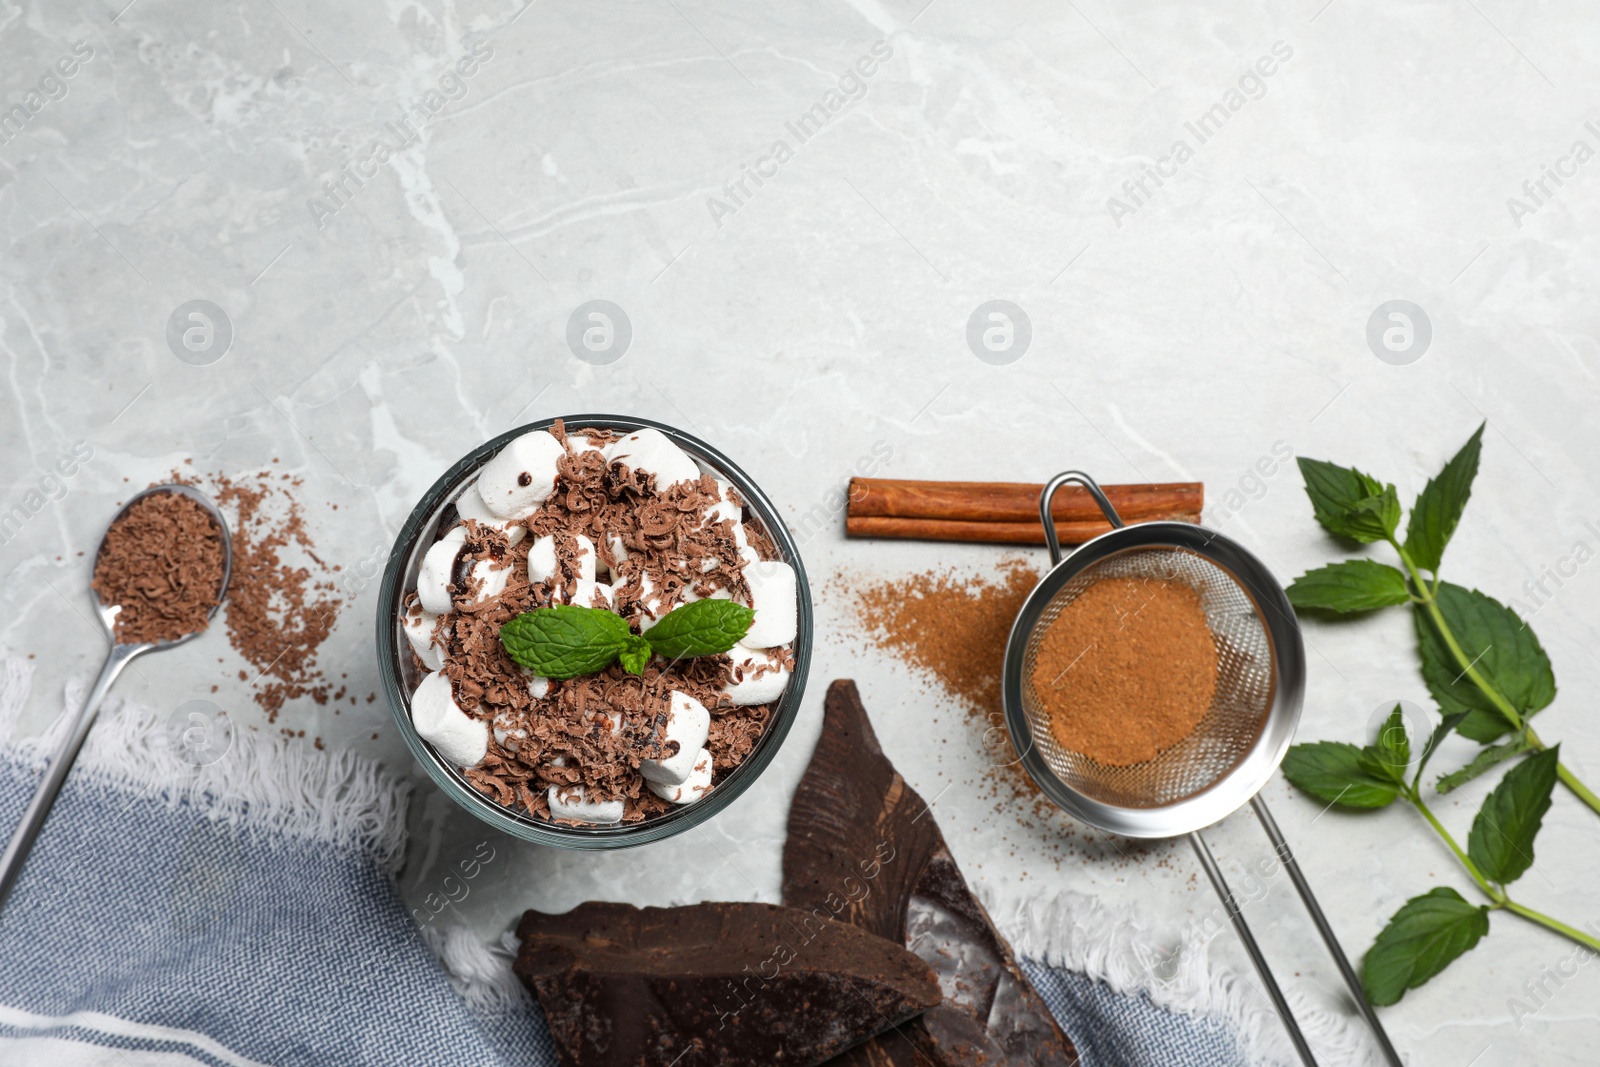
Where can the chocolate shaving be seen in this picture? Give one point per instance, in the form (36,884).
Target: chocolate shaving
(161,564)
(279,613)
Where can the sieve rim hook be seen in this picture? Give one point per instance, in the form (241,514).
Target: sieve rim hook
(1050,539)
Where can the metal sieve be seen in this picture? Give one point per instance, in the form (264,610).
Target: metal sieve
(1233,750)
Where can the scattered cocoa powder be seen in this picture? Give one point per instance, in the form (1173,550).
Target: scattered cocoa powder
(161,563)
(1127,669)
(280,610)
(957,628)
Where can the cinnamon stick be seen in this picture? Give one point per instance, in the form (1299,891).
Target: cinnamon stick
(1000,533)
(1004,502)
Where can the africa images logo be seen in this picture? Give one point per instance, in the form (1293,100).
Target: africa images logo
(1539,190)
(851,87)
(1252,85)
(52,87)
(354,175)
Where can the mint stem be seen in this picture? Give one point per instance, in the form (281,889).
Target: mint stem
(1429,599)
(1497,896)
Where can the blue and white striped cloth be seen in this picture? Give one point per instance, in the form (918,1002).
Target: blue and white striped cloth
(232,919)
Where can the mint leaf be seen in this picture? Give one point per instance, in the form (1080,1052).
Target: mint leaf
(1500,646)
(566,640)
(1390,754)
(1335,772)
(1501,841)
(703,628)
(1420,941)
(1440,732)
(1377,517)
(1354,585)
(1486,760)
(1348,503)
(1438,507)
(635,654)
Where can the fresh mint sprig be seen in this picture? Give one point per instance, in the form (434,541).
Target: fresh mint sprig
(569,640)
(1489,675)
(1430,931)
(1477,655)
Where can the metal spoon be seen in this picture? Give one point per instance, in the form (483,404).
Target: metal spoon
(119,657)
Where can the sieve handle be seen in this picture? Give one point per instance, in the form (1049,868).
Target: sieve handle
(1049,520)
(1237,915)
(1328,937)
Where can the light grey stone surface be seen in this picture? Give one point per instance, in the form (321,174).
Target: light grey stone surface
(802,321)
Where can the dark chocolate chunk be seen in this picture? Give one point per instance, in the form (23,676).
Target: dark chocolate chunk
(864,848)
(714,985)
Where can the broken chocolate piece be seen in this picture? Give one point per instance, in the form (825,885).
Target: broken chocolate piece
(713,985)
(863,848)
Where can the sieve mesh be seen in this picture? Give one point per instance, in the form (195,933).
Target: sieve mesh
(1239,708)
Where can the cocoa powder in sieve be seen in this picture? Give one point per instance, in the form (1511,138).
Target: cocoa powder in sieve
(161,563)
(1127,669)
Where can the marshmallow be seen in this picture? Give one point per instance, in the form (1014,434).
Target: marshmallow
(439,567)
(542,558)
(579,442)
(651,606)
(619,551)
(587,559)
(418,626)
(469,505)
(457,736)
(725,508)
(649,451)
(707,565)
(689,724)
(746,688)
(587,594)
(748,554)
(538,685)
(692,788)
(492,577)
(521,476)
(437,570)
(772,595)
(567,802)
(542,563)
(507,734)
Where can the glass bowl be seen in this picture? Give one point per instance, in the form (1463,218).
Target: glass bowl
(400,674)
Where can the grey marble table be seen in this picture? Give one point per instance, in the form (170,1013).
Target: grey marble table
(987,241)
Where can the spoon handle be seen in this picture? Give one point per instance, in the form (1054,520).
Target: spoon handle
(39,807)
